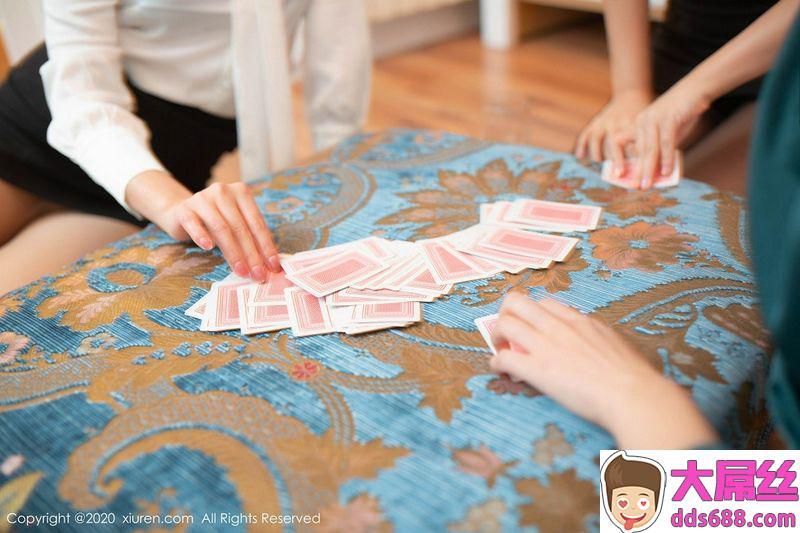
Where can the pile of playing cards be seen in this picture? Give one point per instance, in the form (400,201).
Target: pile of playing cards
(629,177)
(375,283)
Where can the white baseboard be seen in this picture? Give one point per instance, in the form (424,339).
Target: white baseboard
(424,29)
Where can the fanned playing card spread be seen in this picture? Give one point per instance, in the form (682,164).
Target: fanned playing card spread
(374,283)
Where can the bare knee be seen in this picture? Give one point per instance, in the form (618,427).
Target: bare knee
(17,209)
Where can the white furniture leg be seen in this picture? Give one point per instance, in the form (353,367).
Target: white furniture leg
(500,24)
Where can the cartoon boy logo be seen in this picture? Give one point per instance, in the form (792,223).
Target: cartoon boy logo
(632,490)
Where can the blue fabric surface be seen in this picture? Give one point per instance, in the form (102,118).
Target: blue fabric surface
(111,394)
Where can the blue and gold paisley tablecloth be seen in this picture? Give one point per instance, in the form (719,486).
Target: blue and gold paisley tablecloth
(111,400)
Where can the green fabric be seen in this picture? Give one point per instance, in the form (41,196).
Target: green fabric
(775,229)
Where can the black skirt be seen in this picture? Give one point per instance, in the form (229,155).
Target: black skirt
(187,141)
(695,29)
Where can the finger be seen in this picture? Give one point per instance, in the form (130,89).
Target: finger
(668,136)
(617,152)
(222,236)
(229,208)
(530,312)
(583,329)
(511,330)
(559,310)
(596,145)
(651,156)
(580,144)
(517,365)
(196,230)
(260,231)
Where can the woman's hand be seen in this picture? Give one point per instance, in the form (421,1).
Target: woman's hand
(663,125)
(590,369)
(613,128)
(223,215)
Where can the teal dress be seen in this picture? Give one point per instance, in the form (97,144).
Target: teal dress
(774,194)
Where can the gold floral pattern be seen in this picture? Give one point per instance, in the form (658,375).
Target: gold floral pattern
(640,245)
(628,204)
(362,514)
(454,206)
(87,307)
(565,503)
(551,446)
(483,518)
(11,345)
(482,462)
(503,384)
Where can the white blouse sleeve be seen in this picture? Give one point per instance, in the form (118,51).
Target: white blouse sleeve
(338,69)
(92,109)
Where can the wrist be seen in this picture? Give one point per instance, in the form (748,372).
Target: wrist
(635,94)
(696,86)
(656,413)
(153,193)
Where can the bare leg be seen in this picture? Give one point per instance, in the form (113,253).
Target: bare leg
(720,157)
(52,241)
(17,209)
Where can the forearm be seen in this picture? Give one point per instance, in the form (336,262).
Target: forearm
(748,55)
(628,35)
(659,415)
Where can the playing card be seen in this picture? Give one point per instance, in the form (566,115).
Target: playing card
(448,265)
(401,272)
(197,309)
(513,263)
(560,215)
(486,326)
(341,315)
(222,308)
(628,179)
(260,318)
(528,243)
(308,315)
(388,312)
(376,247)
(297,262)
(352,296)
(343,320)
(270,292)
(418,279)
(382,278)
(337,272)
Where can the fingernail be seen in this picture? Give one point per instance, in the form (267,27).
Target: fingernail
(618,170)
(274,264)
(240,269)
(259,274)
(205,244)
(664,170)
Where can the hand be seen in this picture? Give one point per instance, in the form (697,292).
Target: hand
(663,125)
(612,129)
(223,214)
(590,369)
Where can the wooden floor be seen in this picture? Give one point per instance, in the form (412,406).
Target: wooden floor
(541,92)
